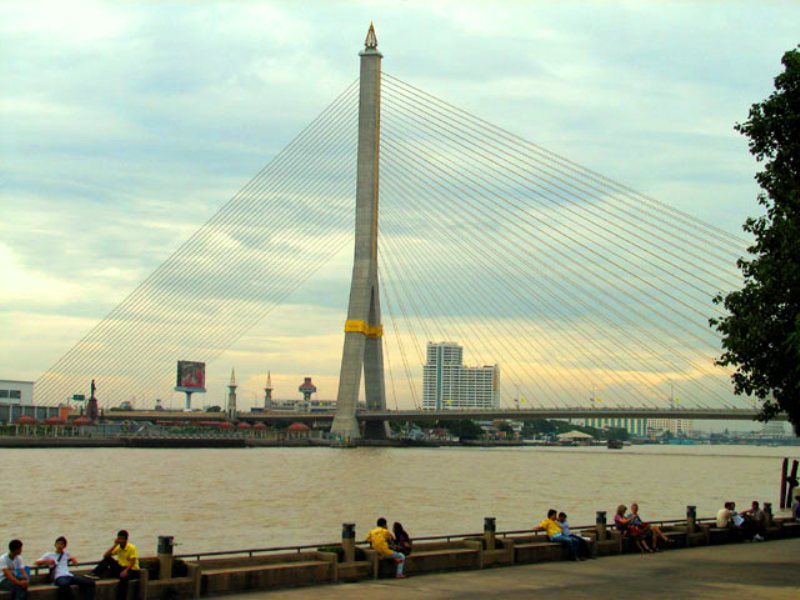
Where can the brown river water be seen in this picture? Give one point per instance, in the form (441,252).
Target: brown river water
(221,499)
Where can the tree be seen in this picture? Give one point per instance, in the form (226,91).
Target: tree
(465,430)
(761,332)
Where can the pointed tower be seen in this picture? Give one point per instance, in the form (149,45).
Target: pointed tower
(363,344)
(268,392)
(231,410)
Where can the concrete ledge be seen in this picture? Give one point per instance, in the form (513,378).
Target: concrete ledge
(266,572)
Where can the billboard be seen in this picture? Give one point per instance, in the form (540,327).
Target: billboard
(191,376)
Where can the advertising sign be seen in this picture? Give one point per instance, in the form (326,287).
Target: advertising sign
(191,376)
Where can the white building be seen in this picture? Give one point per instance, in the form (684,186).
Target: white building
(637,427)
(448,385)
(674,426)
(16,392)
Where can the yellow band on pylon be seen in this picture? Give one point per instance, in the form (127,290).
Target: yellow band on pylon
(358,326)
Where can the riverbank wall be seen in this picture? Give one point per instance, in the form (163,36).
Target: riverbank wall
(203,574)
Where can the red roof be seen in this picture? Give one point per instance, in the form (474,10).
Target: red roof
(26,420)
(259,425)
(299,427)
(244,425)
(82,421)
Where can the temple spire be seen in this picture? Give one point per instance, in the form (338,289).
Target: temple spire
(371,43)
(233,378)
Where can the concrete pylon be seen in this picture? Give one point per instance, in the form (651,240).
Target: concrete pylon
(363,337)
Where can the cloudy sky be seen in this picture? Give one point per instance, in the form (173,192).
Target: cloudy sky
(126,126)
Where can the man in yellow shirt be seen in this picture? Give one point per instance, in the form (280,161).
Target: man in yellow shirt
(121,561)
(555,534)
(380,538)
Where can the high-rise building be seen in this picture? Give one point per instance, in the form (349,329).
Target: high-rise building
(637,427)
(674,426)
(448,385)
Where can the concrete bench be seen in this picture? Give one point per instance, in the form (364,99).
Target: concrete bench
(268,571)
(429,557)
(105,589)
(535,548)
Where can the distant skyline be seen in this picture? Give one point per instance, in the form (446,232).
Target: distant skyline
(126,126)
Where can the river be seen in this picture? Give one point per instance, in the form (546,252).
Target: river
(212,499)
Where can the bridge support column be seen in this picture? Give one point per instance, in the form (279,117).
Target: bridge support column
(363,337)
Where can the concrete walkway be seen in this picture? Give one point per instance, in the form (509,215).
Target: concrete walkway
(752,571)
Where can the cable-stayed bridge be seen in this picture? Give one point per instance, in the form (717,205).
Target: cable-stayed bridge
(586,293)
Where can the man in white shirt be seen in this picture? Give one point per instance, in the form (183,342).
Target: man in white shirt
(725,516)
(13,575)
(59,561)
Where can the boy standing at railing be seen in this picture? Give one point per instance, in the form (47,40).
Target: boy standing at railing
(13,574)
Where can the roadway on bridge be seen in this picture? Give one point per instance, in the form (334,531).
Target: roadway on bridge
(751,571)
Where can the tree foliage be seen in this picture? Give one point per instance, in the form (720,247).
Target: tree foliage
(761,332)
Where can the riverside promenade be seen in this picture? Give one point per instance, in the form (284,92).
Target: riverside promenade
(752,571)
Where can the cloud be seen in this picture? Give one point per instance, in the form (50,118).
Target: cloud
(127,126)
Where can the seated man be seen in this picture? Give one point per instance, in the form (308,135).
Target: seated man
(725,516)
(555,534)
(379,538)
(758,519)
(121,561)
(584,548)
(59,561)
(13,574)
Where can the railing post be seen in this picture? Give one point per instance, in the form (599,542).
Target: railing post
(768,511)
(600,526)
(349,541)
(489,532)
(691,519)
(165,557)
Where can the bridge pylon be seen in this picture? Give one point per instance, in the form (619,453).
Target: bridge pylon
(363,337)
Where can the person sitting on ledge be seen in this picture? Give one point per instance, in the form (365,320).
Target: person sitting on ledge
(584,549)
(13,572)
(555,534)
(728,518)
(759,521)
(60,561)
(121,561)
(725,516)
(402,541)
(796,508)
(651,532)
(380,538)
(628,529)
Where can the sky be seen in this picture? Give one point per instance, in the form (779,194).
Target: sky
(126,126)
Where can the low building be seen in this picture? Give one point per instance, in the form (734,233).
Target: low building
(16,392)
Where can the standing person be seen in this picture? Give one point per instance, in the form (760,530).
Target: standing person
(380,538)
(555,534)
(59,561)
(402,541)
(121,561)
(13,574)
(584,549)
